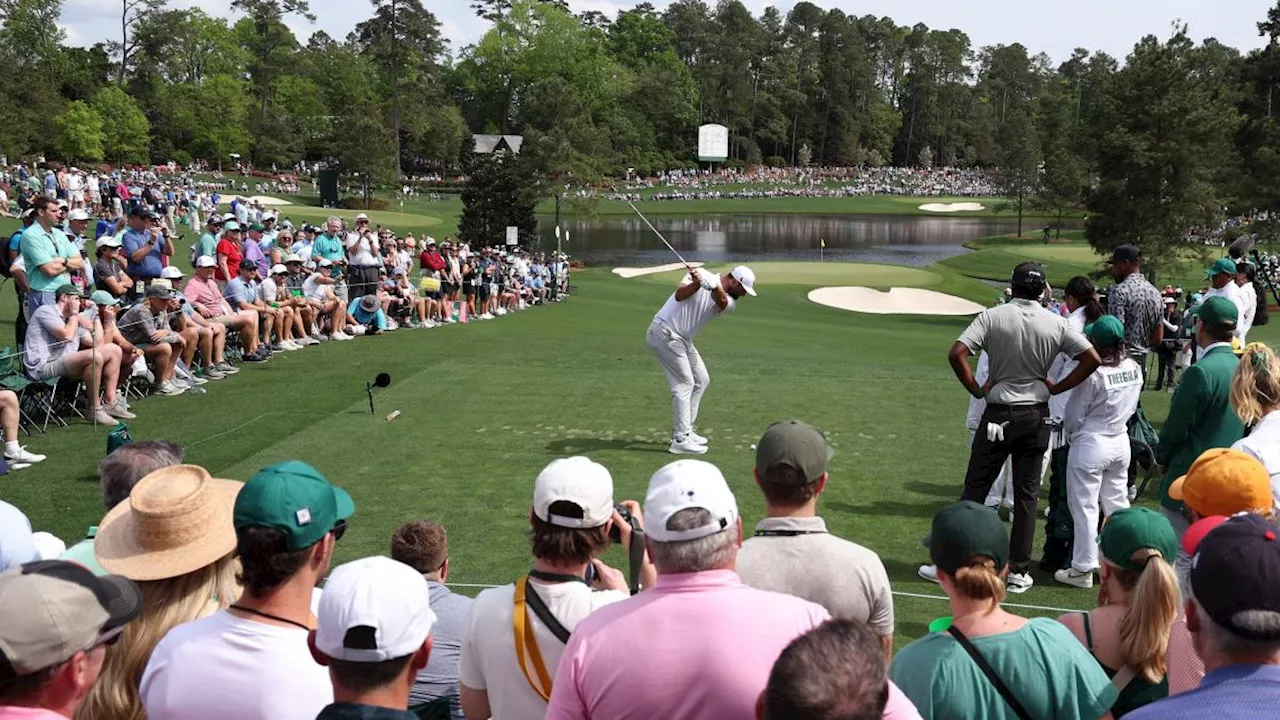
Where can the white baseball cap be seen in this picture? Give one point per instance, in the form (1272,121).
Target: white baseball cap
(205,261)
(686,484)
(361,216)
(576,480)
(743,275)
(325,262)
(228,217)
(78,214)
(293,257)
(279,269)
(107,241)
(171,272)
(372,610)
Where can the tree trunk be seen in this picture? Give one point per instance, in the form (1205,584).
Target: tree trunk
(124,39)
(395,89)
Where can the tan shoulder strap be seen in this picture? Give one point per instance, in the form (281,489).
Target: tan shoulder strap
(525,640)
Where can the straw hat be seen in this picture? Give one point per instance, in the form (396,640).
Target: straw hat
(177,520)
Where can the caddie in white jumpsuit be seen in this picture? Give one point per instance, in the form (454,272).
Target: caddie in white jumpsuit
(1096,425)
(699,297)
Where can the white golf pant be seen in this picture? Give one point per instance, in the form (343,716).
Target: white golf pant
(686,375)
(1097,471)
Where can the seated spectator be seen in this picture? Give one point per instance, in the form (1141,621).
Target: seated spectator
(792,551)
(373,632)
(318,288)
(16,456)
(1044,669)
(368,312)
(1233,614)
(205,296)
(287,518)
(699,645)
(273,295)
(108,272)
(230,252)
(58,344)
(58,621)
(210,338)
(423,546)
(117,474)
(1255,396)
(17,543)
(242,295)
(174,537)
(571,517)
(292,287)
(102,310)
(146,325)
(1128,633)
(836,671)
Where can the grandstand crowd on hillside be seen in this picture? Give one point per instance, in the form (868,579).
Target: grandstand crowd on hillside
(807,182)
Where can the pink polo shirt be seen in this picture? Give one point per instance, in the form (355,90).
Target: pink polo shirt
(697,646)
(206,294)
(12,712)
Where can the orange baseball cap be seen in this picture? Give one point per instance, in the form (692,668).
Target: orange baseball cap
(1224,482)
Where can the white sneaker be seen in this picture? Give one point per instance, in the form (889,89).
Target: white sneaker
(685,446)
(500,311)
(290,345)
(195,381)
(22,455)
(928,572)
(18,466)
(1019,583)
(1075,578)
(486,316)
(168,388)
(697,438)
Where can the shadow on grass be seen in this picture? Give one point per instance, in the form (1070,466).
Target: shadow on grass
(578,446)
(890,508)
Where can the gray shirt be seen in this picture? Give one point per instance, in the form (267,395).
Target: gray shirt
(137,324)
(1021,339)
(440,677)
(41,346)
(845,578)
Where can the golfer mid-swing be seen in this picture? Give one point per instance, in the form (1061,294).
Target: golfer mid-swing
(700,297)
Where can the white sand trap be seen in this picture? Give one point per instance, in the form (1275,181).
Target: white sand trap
(953,207)
(627,272)
(898,301)
(268,201)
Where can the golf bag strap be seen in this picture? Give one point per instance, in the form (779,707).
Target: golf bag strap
(635,560)
(990,672)
(526,641)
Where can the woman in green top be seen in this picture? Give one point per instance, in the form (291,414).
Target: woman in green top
(1129,632)
(1045,671)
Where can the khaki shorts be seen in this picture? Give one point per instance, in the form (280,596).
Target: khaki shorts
(51,369)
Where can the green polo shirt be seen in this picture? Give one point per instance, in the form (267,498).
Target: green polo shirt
(39,246)
(1200,417)
(82,553)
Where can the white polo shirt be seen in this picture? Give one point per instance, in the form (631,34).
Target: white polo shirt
(1263,442)
(687,318)
(1232,292)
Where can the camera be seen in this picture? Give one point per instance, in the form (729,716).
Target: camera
(615,535)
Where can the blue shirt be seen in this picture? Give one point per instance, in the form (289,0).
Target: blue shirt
(239,291)
(152,264)
(1234,692)
(16,546)
(365,318)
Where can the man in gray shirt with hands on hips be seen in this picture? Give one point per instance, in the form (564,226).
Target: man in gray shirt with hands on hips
(1021,339)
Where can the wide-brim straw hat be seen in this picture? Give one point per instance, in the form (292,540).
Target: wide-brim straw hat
(177,520)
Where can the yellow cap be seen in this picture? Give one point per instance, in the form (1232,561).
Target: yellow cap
(1224,482)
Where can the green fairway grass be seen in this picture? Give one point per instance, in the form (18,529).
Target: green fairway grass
(813,275)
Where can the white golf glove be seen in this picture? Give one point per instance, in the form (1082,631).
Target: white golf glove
(995,431)
(708,281)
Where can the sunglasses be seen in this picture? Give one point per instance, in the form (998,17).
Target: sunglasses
(339,529)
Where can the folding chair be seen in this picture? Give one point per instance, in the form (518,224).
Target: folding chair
(11,378)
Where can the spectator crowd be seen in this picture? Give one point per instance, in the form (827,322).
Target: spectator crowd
(766,182)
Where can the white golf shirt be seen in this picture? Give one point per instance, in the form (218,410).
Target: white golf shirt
(1104,402)
(687,318)
(1232,292)
(1263,442)
(360,248)
(1249,298)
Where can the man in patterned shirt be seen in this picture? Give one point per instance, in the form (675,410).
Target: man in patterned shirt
(1135,301)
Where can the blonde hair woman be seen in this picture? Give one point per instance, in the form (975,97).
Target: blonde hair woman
(991,663)
(1255,396)
(1128,633)
(174,536)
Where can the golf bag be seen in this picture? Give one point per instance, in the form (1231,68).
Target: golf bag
(1059,530)
(1143,441)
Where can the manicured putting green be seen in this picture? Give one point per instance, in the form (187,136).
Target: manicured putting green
(817,274)
(1079,254)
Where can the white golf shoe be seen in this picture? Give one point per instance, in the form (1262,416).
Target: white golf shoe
(684,445)
(695,437)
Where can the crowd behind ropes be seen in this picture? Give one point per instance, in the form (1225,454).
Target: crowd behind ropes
(764,181)
(114,309)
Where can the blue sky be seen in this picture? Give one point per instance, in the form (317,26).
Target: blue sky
(1050,26)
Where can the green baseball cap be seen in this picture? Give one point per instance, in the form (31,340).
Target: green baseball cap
(1132,529)
(796,444)
(67,289)
(230,226)
(1106,331)
(1217,312)
(1221,265)
(295,499)
(257,226)
(964,530)
(102,297)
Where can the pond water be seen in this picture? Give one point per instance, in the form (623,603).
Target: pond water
(895,240)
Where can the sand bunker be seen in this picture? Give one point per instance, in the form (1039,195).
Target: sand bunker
(627,272)
(268,201)
(953,207)
(898,301)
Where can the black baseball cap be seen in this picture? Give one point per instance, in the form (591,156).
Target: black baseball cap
(1125,253)
(1029,275)
(1236,570)
(965,530)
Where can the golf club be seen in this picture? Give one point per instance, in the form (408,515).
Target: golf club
(664,240)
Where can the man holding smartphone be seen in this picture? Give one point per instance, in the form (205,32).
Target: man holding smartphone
(146,246)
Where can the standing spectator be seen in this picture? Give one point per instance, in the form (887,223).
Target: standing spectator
(1022,340)
(1096,427)
(1170,345)
(146,245)
(700,644)
(1245,273)
(109,272)
(47,256)
(423,546)
(1220,482)
(373,632)
(1128,633)
(174,537)
(571,517)
(792,551)
(60,342)
(208,242)
(58,621)
(362,252)
(1135,302)
(253,251)
(230,252)
(1038,662)
(327,245)
(117,474)
(1255,397)
(834,671)
(1200,414)
(250,661)
(146,326)
(1233,614)
(1222,275)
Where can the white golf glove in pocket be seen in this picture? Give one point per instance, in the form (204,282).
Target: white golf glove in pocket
(995,431)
